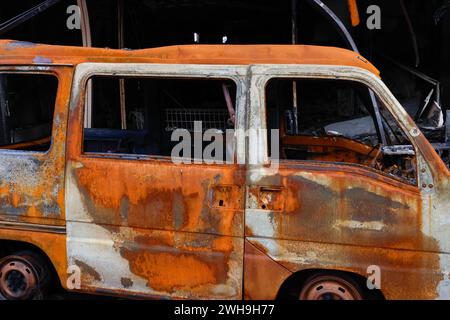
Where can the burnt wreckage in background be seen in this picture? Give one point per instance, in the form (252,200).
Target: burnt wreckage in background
(410,49)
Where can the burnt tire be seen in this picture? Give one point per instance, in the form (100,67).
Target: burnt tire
(23,276)
(330,287)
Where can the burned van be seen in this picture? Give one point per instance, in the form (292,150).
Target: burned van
(215,172)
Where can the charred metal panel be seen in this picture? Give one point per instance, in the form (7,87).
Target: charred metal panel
(337,204)
(405,274)
(263,276)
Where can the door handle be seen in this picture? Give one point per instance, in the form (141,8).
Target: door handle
(270,189)
(270,198)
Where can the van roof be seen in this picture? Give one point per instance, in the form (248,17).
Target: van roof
(20,52)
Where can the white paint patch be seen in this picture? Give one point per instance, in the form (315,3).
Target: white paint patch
(75,211)
(280,253)
(443,289)
(257,173)
(322,179)
(260,222)
(366,225)
(94,246)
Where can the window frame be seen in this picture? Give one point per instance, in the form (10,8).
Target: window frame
(86,71)
(371,115)
(263,74)
(36,70)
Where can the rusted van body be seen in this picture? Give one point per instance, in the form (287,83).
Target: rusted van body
(136,224)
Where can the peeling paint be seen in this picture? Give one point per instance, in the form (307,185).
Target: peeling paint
(42,60)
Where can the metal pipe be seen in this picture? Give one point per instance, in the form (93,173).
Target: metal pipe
(87,42)
(121,44)
(26,15)
(411,32)
(329,14)
(354,13)
(294,83)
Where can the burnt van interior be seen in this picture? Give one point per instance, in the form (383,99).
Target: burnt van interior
(27,103)
(337,123)
(153,109)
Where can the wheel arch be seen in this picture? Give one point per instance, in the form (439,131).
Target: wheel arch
(292,285)
(54,259)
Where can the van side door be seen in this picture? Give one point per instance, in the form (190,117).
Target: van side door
(139,222)
(339,198)
(33,118)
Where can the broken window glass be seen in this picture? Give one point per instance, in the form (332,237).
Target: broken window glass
(27,103)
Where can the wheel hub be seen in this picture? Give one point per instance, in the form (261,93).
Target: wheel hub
(329,288)
(17,279)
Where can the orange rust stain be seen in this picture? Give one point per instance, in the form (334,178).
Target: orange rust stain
(404,273)
(161,195)
(166,272)
(263,276)
(222,244)
(15,199)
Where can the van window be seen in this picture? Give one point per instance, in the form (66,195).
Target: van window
(137,116)
(27,104)
(335,122)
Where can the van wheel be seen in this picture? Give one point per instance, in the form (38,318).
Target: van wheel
(23,276)
(330,287)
